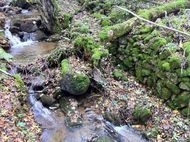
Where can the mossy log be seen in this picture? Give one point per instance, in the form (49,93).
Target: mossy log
(115,31)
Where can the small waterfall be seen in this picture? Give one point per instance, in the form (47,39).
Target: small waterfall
(15,41)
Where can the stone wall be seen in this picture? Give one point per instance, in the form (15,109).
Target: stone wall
(157,61)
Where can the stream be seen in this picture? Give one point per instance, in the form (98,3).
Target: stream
(94,127)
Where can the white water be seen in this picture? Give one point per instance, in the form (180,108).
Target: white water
(15,41)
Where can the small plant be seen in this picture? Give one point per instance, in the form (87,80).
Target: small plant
(141,114)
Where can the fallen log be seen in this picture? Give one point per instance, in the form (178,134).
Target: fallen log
(113,32)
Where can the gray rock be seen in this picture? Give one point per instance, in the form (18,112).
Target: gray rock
(38,83)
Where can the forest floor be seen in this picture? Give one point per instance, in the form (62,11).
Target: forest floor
(17,123)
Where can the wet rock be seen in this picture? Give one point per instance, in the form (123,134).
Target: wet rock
(69,107)
(2,19)
(76,83)
(47,100)
(4,42)
(25,24)
(29,25)
(39,35)
(38,83)
(3,3)
(22,3)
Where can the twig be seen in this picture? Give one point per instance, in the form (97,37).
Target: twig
(153,23)
(4,72)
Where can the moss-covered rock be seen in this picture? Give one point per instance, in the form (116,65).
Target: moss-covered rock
(141,114)
(76,83)
(182,100)
(186,112)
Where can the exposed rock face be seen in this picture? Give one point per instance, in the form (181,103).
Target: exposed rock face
(48,11)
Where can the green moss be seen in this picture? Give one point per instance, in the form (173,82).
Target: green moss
(155,33)
(141,114)
(157,11)
(75,83)
(105,22)
(185,85)
(166,66)
(186,47)
(98,54)
(67,19)
(90,48)
(103,35)
(85,42)
(119,75)
(65,67)
(19,82)
(186,112)
(84,28)
(172,87)
(181,100)
(117,16)
(80,83)
(157,43)
(166,94)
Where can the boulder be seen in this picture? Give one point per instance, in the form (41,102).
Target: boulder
(47,100)
(76,83)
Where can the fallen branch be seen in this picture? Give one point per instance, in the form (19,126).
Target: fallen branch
(148,15)
(153,23)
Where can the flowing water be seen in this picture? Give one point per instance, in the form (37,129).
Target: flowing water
(93,129)
(27,50)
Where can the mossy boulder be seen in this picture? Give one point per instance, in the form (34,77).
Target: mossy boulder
(141,114)
(76,83)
